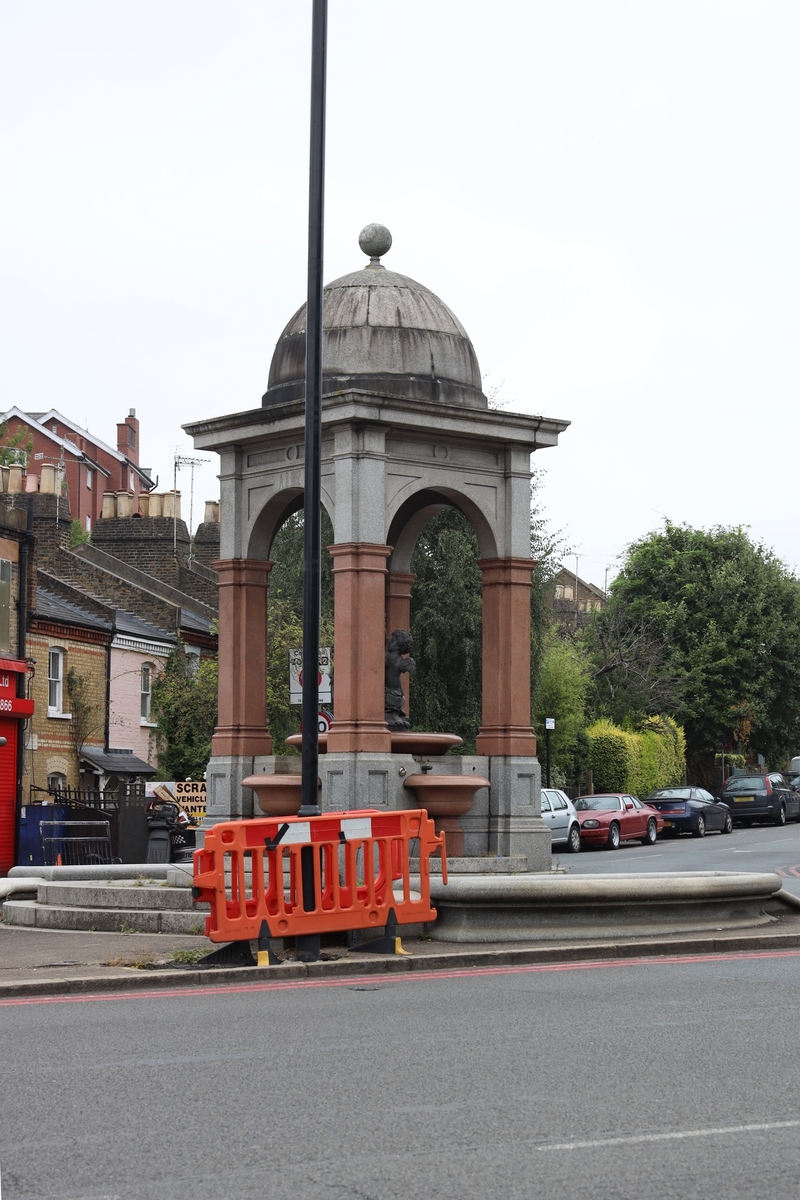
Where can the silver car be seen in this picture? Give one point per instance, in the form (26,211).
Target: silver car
(558,813)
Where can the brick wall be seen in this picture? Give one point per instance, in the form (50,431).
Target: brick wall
(85,651)
(114,592)
(206,542)
(146,543)
(126,731)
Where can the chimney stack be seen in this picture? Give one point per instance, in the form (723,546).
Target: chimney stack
(128,437)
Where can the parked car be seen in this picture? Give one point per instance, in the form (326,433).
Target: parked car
(559,814)
(691,810)
(613,818)
(759,796)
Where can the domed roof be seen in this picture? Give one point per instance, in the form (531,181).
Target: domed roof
(382,332)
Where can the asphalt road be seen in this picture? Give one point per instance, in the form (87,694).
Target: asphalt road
(760,848)
(648,1080)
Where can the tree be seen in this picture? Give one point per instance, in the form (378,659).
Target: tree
(562,686)
(724,613)
(184,703)
(285,620)
(446,626)
(15,447)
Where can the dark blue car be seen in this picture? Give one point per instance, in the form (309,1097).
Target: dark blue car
(691,810)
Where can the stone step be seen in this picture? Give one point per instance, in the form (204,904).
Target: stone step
(133,896)
(102,920)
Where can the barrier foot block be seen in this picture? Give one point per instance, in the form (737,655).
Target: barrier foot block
(306,947)
(235,954)
(390,943)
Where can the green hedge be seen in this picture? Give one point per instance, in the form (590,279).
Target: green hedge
(623,761)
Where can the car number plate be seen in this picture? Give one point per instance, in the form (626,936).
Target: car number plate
(667,824)
(743,799)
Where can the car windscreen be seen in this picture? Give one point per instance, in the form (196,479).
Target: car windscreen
(747,783)
(598,803)
(671,794)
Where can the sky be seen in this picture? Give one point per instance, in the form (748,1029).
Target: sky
(605,194)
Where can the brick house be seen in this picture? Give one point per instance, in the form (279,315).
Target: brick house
(85,466)
(574,600)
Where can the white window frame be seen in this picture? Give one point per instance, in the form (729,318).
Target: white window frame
(146,674)
(55,684)
(89,477)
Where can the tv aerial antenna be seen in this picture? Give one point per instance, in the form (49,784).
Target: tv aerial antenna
(180,461)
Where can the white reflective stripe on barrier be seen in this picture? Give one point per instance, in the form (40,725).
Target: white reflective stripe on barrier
(356,828)
(299,833)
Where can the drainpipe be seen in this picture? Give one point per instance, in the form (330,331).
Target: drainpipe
(22,649)
(107,724)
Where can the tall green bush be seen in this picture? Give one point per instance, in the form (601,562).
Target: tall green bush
(637,762)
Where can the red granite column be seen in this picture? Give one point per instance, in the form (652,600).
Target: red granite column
(506,725)
(359,575)
(242,715)
(398,612)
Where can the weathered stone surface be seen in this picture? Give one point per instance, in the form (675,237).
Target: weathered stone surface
(555,908)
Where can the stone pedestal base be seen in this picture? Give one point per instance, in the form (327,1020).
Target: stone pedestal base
(515,823)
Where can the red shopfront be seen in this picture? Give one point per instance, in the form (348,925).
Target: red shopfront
(13,709)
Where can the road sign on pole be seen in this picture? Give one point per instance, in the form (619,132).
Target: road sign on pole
(323,676)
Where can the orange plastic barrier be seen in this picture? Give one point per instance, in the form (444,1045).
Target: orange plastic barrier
(361,874)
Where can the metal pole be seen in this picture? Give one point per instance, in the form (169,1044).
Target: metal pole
(313,431)
(547,761)
(308,946)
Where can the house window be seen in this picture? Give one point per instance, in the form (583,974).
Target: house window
(559,591)
(88,523)
(88,477)
(56,782)
(55,681)
(5,604)
(192,660)
(146,685)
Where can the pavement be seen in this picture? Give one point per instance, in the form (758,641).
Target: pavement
(644,1079)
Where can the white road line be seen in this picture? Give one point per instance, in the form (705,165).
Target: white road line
(634,1139)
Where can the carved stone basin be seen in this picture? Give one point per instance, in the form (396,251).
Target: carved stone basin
(403,742)
(446,798)
(277,795)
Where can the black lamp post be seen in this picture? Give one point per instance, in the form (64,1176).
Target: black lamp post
(313,456)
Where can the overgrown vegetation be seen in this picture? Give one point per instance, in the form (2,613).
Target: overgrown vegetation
(15,447)
(87,717)
(184,703)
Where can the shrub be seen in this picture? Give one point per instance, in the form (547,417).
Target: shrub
(638,762)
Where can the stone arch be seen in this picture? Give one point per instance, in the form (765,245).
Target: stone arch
(414,513)
(275,512)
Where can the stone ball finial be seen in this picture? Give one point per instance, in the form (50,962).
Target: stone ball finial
(375,240)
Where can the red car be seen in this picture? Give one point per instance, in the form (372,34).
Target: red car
(616,817)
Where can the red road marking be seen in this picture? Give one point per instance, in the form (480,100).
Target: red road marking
(402,977)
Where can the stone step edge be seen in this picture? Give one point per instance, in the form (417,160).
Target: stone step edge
(31,914)
(657,949)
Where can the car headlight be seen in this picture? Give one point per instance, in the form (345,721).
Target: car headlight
(591,824)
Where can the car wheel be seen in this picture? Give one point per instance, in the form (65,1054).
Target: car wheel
(700,828)
(649,838)
(613,836)
(574,839)
(728,826)
(780,815)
